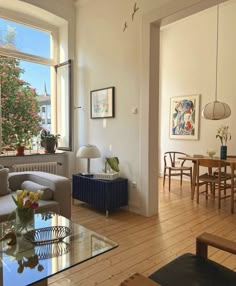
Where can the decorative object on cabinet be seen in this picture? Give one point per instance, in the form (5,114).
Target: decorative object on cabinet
(88,152)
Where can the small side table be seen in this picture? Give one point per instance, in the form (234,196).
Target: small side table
(101,194)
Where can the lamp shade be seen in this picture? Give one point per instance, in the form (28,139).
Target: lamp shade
(88,151)
(216,110)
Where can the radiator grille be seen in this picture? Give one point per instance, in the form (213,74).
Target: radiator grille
(49,167)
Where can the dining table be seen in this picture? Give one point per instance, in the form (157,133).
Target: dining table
(194,158)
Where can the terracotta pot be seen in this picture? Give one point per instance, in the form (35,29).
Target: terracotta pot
(20,150)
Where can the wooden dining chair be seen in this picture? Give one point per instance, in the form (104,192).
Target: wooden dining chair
(216,182)
(173,166)
(233,185)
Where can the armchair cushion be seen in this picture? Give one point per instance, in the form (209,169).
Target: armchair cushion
(4,190)
(34,187)
(190,270)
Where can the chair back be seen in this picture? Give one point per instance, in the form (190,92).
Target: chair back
(171,158)
(211,163)
(233,168)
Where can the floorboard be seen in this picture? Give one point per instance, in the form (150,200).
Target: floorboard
(146,244)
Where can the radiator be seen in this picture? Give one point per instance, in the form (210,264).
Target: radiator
(49,167)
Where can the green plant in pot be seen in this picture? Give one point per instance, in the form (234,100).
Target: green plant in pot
(49,141)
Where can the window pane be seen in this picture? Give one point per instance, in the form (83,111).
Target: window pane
(38,76)
(24,94)
(64,116)
(24,39)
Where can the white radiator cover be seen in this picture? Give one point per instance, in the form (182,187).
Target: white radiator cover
(48,167)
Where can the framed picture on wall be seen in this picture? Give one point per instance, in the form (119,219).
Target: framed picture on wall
(102,103)
(184,117)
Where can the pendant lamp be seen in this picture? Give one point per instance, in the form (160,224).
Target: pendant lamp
(216,110)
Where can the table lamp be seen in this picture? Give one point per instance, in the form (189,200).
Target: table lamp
(88,152)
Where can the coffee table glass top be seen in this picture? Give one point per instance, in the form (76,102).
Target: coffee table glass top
(27,263)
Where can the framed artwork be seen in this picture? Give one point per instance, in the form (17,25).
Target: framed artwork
(184,117)
(102,103)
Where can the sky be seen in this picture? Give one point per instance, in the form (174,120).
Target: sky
(32,41)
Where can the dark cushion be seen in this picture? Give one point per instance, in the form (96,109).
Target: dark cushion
(192,270)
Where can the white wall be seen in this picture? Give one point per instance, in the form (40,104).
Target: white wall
(106,57)
(188,66)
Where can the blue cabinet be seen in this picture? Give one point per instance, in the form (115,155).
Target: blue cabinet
(101,194)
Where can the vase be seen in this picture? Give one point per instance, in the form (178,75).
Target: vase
(20,150)
(24,220)
(223,152)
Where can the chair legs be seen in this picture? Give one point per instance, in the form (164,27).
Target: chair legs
(232,201)
(169,179)
(164,178)
(181,178)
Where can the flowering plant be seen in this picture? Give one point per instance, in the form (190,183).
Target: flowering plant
(223,134)
(27,200)
(22,139)
(26,203)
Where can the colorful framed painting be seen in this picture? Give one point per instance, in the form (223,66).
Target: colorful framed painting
(184,117)
(102,103)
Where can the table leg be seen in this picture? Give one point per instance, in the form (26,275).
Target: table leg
(194,179)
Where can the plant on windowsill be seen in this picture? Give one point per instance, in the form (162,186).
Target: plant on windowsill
(49,141)
(22,141)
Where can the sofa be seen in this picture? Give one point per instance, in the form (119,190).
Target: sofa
(57,191)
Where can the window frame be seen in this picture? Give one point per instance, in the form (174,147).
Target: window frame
(69,64)
(52,62)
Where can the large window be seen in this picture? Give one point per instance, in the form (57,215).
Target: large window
(27,85)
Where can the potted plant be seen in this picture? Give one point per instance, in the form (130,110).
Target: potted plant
(21,141)
(49,141)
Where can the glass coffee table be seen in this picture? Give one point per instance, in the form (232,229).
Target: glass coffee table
(26,263)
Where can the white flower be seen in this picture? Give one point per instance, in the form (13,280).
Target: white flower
(223,134)
(40,193)
(19,192)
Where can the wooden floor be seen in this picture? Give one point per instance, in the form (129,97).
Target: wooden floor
(145,244)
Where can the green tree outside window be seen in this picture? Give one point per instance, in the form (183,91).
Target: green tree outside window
(19,102)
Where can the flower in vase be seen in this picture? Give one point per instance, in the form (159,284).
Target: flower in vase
(26,200)
(224,134)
